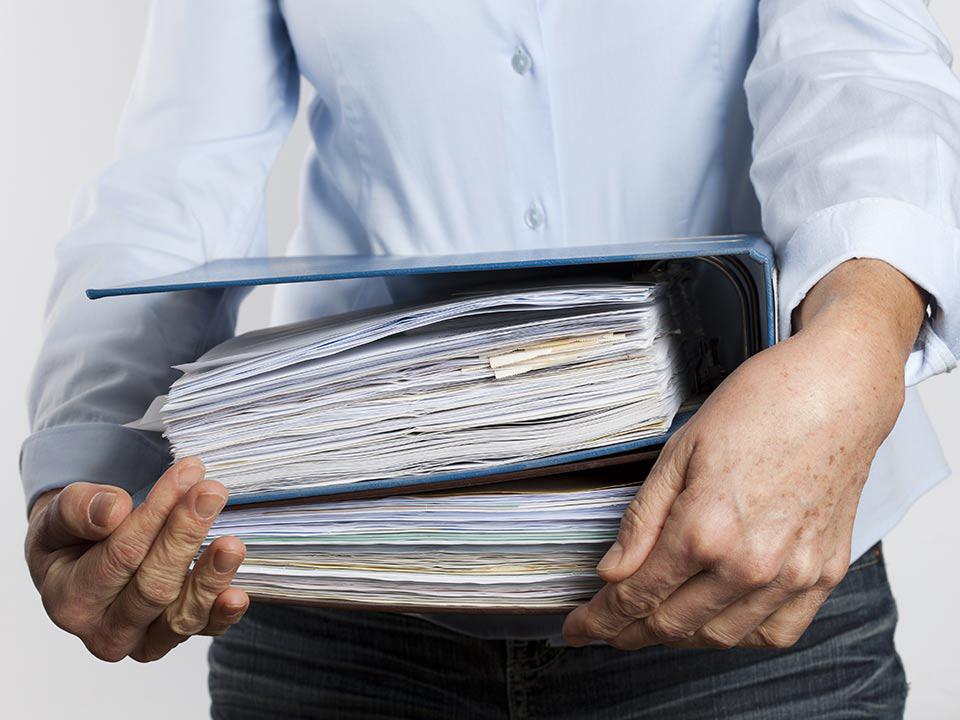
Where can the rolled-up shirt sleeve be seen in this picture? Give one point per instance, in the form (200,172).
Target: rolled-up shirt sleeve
(856,117)
(214,97)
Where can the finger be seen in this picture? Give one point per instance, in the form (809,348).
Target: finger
(108,567)
(211,576)
(191,612)
(644,518)
(682,614)
(79,514)
(793,578)
(619,604)
(784,627)
(227,611)
(82,513)
(160,578)
(729,627)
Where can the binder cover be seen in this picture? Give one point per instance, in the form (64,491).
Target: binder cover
(745,261)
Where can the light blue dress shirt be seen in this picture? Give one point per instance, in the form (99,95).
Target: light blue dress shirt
(832,125)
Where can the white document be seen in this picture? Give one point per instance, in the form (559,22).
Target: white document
(481,548)
(468,383)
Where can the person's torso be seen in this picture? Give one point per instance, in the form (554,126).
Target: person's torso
(478,125)
(495,124)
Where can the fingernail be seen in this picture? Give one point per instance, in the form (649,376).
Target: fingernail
(189,474)
(612,558)
(225,561)
(101,507)
(209,504)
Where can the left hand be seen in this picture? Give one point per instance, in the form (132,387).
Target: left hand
(743,527)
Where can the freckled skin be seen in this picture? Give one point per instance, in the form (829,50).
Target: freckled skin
(744,526)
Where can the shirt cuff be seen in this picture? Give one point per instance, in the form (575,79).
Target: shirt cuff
(914,242)
(101,453)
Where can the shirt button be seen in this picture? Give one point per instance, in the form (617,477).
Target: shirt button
(533,217)
(521,61)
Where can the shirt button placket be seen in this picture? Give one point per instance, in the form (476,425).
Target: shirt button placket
(533,135)
(533,216)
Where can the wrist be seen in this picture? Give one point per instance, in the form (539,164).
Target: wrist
(869,305)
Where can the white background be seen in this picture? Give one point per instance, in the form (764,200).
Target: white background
(65,68)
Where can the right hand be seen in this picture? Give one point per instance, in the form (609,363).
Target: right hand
(120,579)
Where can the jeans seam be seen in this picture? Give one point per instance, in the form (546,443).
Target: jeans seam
(516,679)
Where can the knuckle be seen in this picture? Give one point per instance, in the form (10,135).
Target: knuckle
(756,568)
(800,574)
(122,557)
(716,638)
(106,647)
(149,655)
(633,601)
(142,656)
(184,532)
(667,629)
(776,638)
(185,624)
(833,574)
(152,516)
(66,614)
(701,549)
(206,585)
(597,628)
(154,590)
(755,574)
(706,546)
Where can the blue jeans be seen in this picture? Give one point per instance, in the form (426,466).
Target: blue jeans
(284,662)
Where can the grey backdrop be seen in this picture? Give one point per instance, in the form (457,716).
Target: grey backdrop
(65,68)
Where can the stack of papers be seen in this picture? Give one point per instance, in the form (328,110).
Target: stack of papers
(483,549)
(467,383)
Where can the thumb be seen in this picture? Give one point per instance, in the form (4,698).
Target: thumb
(82,512)
(646,514)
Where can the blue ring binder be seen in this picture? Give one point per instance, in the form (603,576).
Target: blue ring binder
(748,260)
